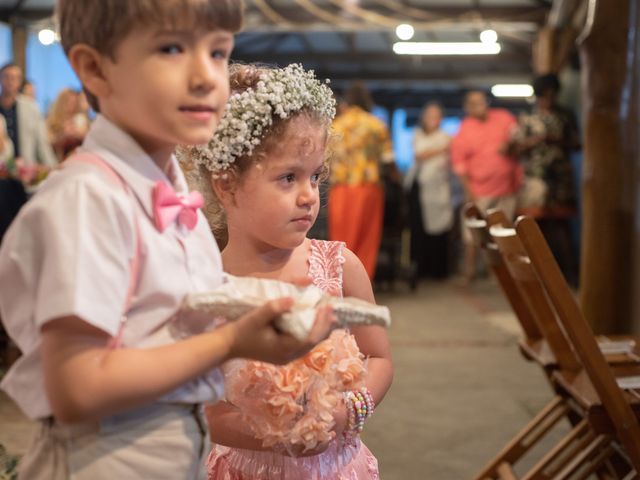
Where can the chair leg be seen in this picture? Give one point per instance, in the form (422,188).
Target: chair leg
(549,416)
(632,476)
(588,460)
(505,472)
(562,453)
(617,466)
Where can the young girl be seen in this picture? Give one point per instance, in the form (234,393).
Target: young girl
(263,168)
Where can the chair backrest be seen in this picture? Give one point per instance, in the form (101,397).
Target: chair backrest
(582,337)
(526,279)
(478,226)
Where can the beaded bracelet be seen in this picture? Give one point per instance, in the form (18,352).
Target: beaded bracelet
(360,406)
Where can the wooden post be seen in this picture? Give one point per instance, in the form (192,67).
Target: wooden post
(610,237)
(19,33)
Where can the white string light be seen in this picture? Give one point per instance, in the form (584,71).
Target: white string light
(446,48)
(512,90)
(405,31)
(46,36)
(488,36)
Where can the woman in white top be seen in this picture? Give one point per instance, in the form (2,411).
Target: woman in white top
(428,183)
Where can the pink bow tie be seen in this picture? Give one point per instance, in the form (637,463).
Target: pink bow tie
(169,206)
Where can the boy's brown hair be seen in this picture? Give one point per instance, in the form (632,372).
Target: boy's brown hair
(102,24)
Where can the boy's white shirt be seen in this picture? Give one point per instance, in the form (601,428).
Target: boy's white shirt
(68,253)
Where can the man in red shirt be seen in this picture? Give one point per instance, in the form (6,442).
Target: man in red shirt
(489,175)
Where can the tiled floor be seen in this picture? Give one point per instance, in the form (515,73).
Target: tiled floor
(461,388)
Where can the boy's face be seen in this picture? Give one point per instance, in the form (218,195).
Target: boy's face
(168,87)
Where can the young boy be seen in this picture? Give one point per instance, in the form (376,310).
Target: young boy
(107,238)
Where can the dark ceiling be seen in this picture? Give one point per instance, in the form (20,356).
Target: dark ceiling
(352,39)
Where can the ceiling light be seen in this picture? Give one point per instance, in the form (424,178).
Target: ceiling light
(405,31)
(513,90)
(46,36)
(488,36)
(446,48)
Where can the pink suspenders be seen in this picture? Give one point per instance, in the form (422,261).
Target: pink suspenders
(134,264)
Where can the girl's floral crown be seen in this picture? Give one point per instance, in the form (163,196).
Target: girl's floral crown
(249,114)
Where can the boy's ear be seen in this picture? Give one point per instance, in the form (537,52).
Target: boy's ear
(224,188)
(88,64)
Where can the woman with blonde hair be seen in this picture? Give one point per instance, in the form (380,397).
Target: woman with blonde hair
(64,134)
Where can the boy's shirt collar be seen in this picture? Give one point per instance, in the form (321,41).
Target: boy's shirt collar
(131,162)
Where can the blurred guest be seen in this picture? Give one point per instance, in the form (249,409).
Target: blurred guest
(65,132)
(28,90)
(12,193)
(490,176)
(356,198)
(25,126)
(6,145)
(430,208)
(82,118)
(544,141)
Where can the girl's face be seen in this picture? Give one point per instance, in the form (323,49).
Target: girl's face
(276,201)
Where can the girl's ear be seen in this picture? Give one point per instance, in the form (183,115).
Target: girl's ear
(224,188)
(89,65)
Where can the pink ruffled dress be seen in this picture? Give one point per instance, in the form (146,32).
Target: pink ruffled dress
(341,461)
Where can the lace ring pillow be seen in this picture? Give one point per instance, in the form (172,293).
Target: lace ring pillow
(239,295)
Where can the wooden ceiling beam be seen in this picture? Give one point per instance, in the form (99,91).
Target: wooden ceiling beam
(17,13)
(513,18)
(467,77)
(494,14)
(504,58)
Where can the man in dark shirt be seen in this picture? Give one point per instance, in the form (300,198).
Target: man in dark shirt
(10,79)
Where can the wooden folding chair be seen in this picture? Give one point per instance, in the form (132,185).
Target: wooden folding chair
(580,452)
(533,346)
(609,409)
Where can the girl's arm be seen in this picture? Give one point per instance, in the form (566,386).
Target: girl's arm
(372,340)
(85,380)
(226,427)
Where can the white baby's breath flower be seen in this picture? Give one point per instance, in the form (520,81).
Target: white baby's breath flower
(279,92)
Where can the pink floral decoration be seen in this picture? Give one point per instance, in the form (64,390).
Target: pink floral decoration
(291,407)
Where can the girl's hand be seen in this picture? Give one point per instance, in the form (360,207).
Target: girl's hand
(340,418)
(254,335)
(297,450)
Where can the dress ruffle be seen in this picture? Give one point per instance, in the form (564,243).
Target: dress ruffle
(338,462)
(291,406)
